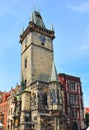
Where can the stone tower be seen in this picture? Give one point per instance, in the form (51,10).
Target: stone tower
(38,104)
(37,50)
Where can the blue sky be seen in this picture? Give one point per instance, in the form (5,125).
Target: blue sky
(70,19)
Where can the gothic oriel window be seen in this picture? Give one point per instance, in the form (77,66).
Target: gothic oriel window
(42,101)
(53,96)
(58,97)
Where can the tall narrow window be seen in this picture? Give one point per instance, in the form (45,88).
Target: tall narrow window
(25,83)
(73,100)
(72,86)
(45,98)
(53,96)
(25,63)
(74,113)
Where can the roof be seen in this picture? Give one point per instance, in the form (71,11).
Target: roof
(68,76)
(54,76)
(86,110)
(37,19)
(42,77)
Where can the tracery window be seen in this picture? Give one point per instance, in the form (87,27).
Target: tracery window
(53,96)
(42,97)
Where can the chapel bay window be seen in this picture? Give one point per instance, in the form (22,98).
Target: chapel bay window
(54,95)
(42,97)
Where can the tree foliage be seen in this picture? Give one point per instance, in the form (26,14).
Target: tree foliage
(87,119)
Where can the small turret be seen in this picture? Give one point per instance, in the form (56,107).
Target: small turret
(22,31)
(31,18)
(54,76)
(52,28)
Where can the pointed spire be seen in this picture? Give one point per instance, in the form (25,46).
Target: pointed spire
(22,31)
(54,76)
(31,18)
(37,19)
(52,28)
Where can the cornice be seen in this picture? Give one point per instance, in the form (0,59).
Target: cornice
(33,27)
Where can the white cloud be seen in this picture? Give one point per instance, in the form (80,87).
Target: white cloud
(85,47)
(82,50)
(81,8)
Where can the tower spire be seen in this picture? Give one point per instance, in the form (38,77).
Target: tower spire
(22,31)
(54,76)
(37,19)
(52,28)
(31,18)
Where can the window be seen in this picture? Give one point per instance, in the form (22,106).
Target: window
(25,63)
(53,96)
(25,40)
(27,116)
(72,86)
(25,82)
(74,113)
(45,98)
(73,100)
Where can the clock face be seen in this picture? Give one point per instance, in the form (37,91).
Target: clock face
(25,40)
(42,38)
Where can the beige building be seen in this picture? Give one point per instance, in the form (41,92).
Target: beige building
(38,104)
(11,107)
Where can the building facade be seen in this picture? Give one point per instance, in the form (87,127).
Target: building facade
(44,100)
(4,108)
(11,106)
(73,103)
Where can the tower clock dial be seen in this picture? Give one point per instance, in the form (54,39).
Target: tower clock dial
(42,38)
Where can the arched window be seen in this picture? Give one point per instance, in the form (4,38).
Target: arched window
(74,126)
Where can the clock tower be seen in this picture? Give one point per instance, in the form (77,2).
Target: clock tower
(40,95)
(37,51)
